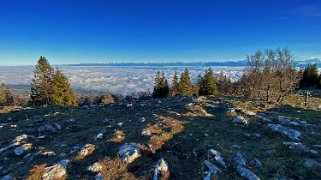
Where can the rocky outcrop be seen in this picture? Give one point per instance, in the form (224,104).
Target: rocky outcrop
(217,156)
(56,171)
(291,133)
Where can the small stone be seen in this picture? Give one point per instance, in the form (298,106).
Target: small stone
(286,121)
(58,127)
(236,146)
(48,153)
(246,173)
(293,134)
(47,128)
(296,147)
(241,120)
(309,163)
(99,177)
(213,169)
(6,177)
(86,150)
(207,175)
(21,149)
(195,152)
(257,163)
(161,167)
(56,171)
(217,156)
(96,167)
(120,124)
(239,159)
(142,119)
(146,132)
(129,152)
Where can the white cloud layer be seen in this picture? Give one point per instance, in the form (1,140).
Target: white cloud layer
(120,80)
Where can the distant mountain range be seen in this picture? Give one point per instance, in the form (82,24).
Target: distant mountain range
(301,63)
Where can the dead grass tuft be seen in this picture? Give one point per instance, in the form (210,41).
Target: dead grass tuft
(196,110)
(169,127)
(36,172)
(115,169)
(86,152)
(119,136)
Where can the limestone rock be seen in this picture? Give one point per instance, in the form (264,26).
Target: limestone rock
(293,134)
(56,171)
(21,149)
(217,156)
(286,121)
(86,150)
(239,159)
(298,147)
(212,168)
(129,152)
(310,163)
(6,177)
(161,167)
(247,174)
(241,120)
(146,132)
(96,167)
(47,128)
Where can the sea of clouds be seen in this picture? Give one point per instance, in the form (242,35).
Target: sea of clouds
(120,80)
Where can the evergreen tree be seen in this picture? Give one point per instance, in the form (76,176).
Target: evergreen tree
(208,84)
(175,85)
(62,93)
(185,84)
(224,84)
(310,77)
(6,97)
(161,88)
(41,86)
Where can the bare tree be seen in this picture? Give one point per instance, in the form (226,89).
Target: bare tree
(270,75)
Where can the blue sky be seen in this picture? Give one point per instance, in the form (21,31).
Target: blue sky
(96,31)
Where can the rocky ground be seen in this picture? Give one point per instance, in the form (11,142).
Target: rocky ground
(173,138)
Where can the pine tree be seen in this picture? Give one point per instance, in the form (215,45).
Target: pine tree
(185,84)
(41,86)
(62,93)
(175,85)
(161,88)
(6,97)
(208,84)
(310,76)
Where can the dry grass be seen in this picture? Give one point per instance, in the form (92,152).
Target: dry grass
(171,125)
(36,172)
(9,109)
(118,136)
(115,169)
(196,110)
(88,151)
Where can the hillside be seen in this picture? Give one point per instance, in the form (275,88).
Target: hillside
(177,137)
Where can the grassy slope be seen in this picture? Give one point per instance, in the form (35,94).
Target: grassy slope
(174,138)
